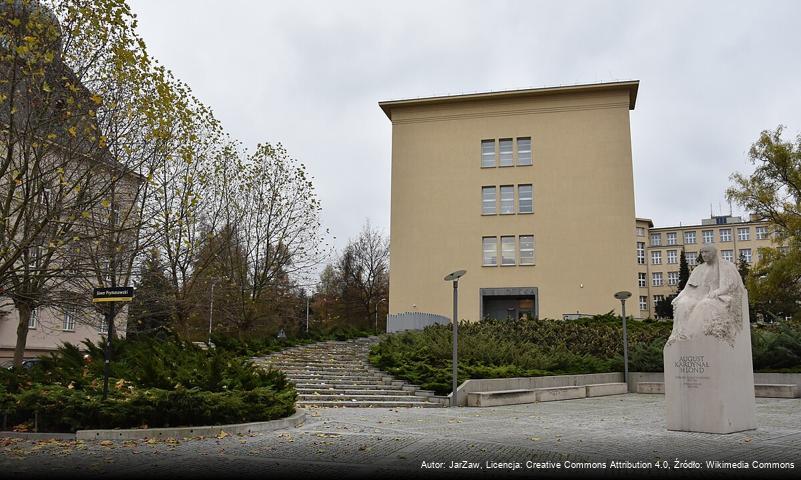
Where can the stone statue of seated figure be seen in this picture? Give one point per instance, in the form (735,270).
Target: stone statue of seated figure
(711,302)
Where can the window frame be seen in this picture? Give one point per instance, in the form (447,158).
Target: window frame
(494,190)
(501,152)
(486,154)
(520,249)
(484,251)
(512,249)
(520,198)
(518,150)
(511,205)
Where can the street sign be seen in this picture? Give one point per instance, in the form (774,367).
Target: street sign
(113,294)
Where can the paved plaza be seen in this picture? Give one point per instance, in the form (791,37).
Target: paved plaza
(575,437)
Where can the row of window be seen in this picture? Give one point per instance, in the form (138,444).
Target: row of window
(506,152)
(672,256)
(708,236)
(513,250)
(657,279)
(67,322)
(525,199)
(644,301)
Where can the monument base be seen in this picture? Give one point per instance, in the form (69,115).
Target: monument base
(709,385)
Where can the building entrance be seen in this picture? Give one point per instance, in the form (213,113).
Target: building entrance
(509,303)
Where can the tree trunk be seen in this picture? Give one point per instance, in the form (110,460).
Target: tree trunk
(24,311)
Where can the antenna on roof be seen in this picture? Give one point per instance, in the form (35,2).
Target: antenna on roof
(730,214)
(711,212)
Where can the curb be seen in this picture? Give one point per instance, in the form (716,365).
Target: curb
(179,432)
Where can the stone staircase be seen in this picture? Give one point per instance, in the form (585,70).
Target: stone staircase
(338,374)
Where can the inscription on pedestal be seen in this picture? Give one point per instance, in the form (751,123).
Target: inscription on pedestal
(690,369)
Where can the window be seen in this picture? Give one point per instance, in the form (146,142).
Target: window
(727,255)
(673,278)
(69,320)
(507,199)
(689,237)
(641,253)
(643,303)
(525,199)
(487,153)
(506,155)
(640,231)
(761,233)
(488,197)
(745,253)
(490,247)
(672,256)
(708,236)
(656,279)
(526,249)
(743,233)
(524,150)
(34,320)
(671,238)
(642,280)
(656,257)
(656,239)
(725,234)
(692,258)
(658,298)
(508,250)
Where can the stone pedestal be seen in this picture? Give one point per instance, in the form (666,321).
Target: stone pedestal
(709,384)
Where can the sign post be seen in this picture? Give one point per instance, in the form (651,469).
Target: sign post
(454,277)
(110,295)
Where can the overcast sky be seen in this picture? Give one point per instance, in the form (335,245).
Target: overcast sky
(309,74)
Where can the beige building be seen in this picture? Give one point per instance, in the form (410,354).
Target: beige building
(530,191)
(659,252)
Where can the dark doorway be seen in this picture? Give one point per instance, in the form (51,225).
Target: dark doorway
(509,303)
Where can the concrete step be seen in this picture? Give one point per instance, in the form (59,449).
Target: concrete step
(354,391)
(342,378)
(368,404)
(349,386)
(361,398)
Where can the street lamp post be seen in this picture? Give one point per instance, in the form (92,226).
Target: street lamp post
(454,277)
(622,296)
(211,312)
(376,313)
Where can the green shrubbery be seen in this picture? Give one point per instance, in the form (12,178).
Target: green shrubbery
(266,345)
(501,348)
(153,382)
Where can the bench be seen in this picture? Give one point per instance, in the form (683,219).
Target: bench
(552,394)
(603,389)
(776,390)
(761,390)
(500,397)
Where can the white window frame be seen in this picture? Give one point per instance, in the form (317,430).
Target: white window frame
(673,278)
(640,253)
(692,258)
(672,256)
(727,255)
(507,203)
(508,250)
(747,253)
(642,279)
(656,257)
(725,234)
(506,158)
(68,322)
(529,198)
(761,233)
(485,248)
(743,234)
(640,231)
(524,256)
(656,239)
(643,303)
(671,238)
(524,157)
(689,237)
(486,204)
(656,279)
(487,157)
(708,236)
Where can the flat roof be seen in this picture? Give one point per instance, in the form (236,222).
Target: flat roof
(630,85)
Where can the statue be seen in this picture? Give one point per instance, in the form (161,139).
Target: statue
(710,303)
(709,377)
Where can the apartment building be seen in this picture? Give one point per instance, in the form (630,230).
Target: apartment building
(530,191)
(659,251)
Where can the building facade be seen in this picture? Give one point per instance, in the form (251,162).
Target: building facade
(530,191)
(659,252)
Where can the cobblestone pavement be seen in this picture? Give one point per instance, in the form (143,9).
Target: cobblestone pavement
(394,443)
